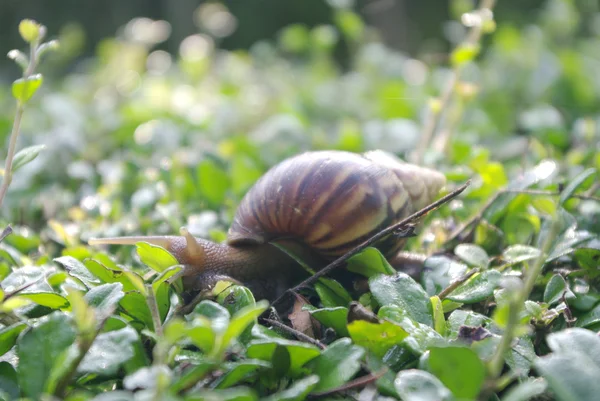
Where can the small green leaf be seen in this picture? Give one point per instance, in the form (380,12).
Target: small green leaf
(376,337)
(240,321)
(233,297)
(477,288)
(164,276)
(8,336)
(544,205)
(526,390)
(47,299)
(421,335)
(401,290)
(105,298)
(202,334)
(464,53)
(109,352)
(155,257)
(473,255)
(572,370)
(108,275)
(459,369)
(298,391)
(520,253)
(419,385)
(589,318)
(332,293)
(555,289)
(439,272)
(439,322)
(300,353)
(370,262)
(337,364)
(24,89)
(38,350)
(8,381)
(574,184)
(26,155)
(238,371)
(335,318)
(30,30)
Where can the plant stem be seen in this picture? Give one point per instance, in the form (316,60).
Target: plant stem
(153,306)
(299,335)
(433,118)
(497,362)
(14,135)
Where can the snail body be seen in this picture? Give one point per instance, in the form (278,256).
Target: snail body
(318,204)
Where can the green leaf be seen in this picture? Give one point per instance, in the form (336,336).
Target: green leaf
(477,288)
(370,262)
(109,275)
(421,335)
(135,305)
(337,364)
(109,352)
(26,155)
(24,89)
(335,318)
(47,299)
(239,371)
(29,30)
(332,293)
(8,336)
(473,255)
(464,53)
(589,318)
(298,391)
(419,385)
(164,276)
(155,257)
(78,270)
(233,297)
(572,370)
(460,318)
(202,334)
(213,182)
(526,390)
(520,253)
(459,369)
(39,349)
(439,272)
(376,337)
(300,353)
(403,291)
(240,321)
(230,394)
(545,205)
(540,172)
(8,381)
(218,315)
(439,322)
(555,289)
(574,184)
(193,375)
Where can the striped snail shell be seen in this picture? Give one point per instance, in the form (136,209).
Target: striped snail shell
(333,201)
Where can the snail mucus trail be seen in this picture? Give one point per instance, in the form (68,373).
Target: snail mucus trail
(317,205)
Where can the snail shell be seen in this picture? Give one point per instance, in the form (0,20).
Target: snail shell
(333,201)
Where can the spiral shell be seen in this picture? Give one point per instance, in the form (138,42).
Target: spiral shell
(333,201)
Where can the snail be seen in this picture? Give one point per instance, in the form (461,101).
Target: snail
(318,205)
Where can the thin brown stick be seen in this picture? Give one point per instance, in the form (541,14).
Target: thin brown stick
(298,334)
(352,384)
(5,233)
(400,226)
(453,285)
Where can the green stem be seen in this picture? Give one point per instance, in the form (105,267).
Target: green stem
(153,306)
(14,135)
(515,307)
